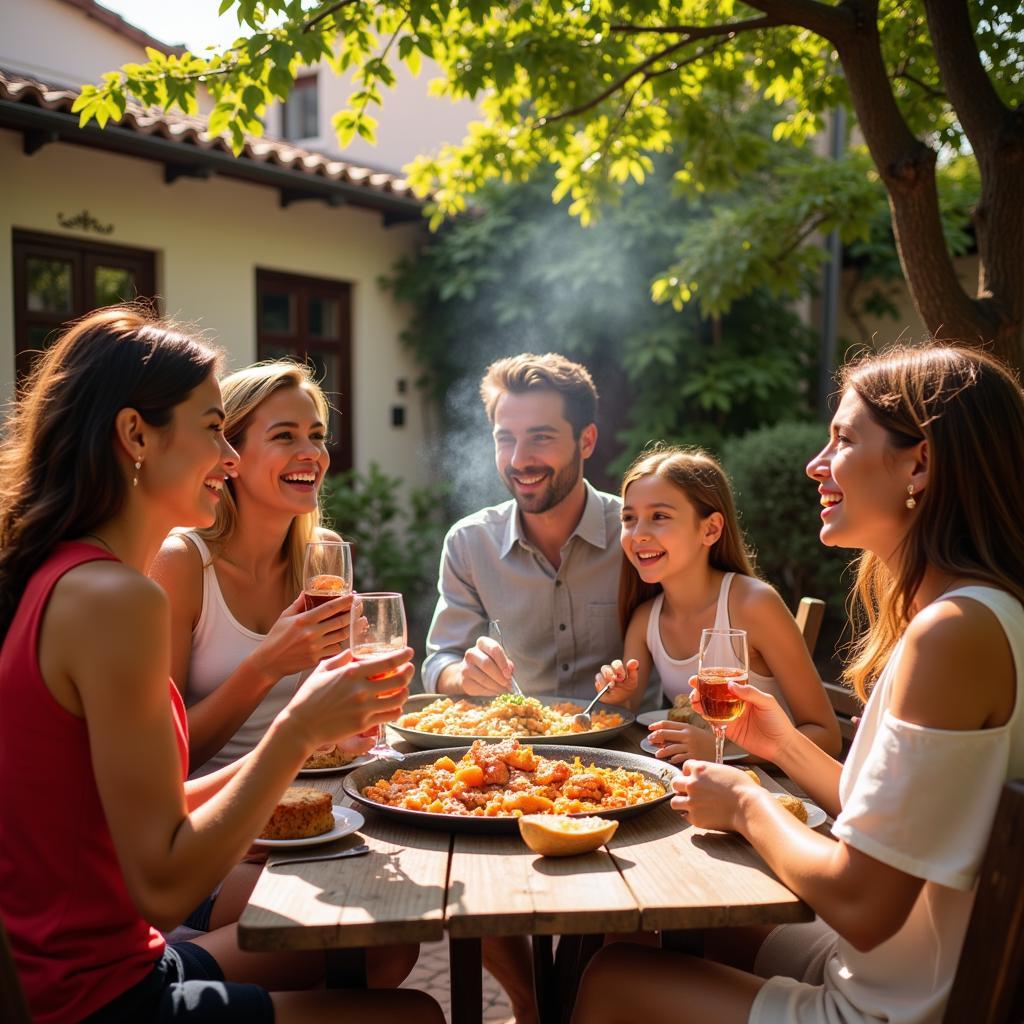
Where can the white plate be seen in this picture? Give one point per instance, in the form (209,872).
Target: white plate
(354,763)
(346,821)
(815,815)
(650,717)
(730,755)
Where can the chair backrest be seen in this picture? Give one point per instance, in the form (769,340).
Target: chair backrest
(12,1002)
(809,614)
(989,986)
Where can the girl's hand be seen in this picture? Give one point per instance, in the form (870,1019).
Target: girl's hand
(339,698)
(709,794)
(764,728)
(677,742)
(300,639)
(622,676)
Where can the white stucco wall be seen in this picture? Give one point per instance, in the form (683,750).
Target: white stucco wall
(210,237)
(410,121)
(59,43)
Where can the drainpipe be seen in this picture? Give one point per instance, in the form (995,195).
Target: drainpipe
(833,274)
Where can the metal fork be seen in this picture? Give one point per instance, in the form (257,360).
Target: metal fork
(497,636)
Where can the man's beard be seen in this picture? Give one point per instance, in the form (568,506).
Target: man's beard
(558,488)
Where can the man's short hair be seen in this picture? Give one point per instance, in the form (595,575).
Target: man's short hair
(520,374)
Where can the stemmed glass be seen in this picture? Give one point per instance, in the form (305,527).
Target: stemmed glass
(378,627)
(327,572)
(723,660)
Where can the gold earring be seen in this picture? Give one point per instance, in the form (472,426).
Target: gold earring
(911,502)
(135,479)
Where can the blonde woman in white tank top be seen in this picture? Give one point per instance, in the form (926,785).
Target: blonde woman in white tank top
(687,569)
(922,472)
(241,638)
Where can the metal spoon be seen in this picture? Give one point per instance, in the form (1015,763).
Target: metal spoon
(352,851)
(497,636)
(582,719)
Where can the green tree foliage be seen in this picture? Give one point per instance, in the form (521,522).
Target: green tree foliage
(597,90)
(524,276)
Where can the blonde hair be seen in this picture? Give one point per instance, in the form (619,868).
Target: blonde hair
(244,391)
(701,478)
(967,521)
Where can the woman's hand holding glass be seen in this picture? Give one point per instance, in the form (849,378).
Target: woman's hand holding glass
(300,639)
(678,742)
(622,676)
(763,729)
(341,697)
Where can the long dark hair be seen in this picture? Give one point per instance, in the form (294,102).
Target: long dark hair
(59,474)
(967,521)
(704,483)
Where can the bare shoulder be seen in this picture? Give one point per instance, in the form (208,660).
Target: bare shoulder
(755,600)
(102,594)
(178,568)
(956,670)
(322,533)
(641,616)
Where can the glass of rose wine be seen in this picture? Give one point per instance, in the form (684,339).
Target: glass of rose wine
(378,627)
(723,660)
(327,572)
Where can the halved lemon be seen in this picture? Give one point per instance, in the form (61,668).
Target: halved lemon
(558,835)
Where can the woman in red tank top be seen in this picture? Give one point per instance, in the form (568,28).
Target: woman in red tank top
(117,439)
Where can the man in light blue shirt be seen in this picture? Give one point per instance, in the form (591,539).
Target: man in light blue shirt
(545,564)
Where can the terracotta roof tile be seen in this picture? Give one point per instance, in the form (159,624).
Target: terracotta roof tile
(191,131)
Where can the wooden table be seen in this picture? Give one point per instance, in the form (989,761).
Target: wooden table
(657,874)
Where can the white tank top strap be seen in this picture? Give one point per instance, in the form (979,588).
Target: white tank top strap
(722,612)
(200,545)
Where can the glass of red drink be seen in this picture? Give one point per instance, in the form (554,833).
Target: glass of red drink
(723,660)
(327,572)
(378,628)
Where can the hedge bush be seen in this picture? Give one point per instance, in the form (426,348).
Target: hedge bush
(780,513)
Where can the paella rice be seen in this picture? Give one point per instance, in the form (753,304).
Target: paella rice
(507,715)
(507,779)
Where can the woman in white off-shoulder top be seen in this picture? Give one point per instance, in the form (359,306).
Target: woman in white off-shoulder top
(922,473)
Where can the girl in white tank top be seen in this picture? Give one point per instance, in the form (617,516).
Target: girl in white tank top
(687,569)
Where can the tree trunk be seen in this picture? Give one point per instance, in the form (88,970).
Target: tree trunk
(993,319)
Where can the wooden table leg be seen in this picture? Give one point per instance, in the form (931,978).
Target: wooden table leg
(690,940)
(573,954)
(545,982)
(466,968)
(346,968)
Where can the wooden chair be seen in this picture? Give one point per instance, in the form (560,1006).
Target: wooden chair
(989,983)
(809,615)
(12,1002)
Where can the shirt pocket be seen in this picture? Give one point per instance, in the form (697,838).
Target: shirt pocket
(603,633)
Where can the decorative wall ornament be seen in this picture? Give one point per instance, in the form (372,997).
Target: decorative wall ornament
(86,221)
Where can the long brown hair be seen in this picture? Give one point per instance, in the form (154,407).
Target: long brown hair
(701,478)
(60,476)
(244,391)
(967,521)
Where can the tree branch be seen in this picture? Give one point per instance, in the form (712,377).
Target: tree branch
(929,90)
(978,107)
(695,31)
(829,22)
(637,70)
(308,26)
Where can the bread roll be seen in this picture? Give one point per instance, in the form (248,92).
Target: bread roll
(327,757)
(302,812)
(794,805)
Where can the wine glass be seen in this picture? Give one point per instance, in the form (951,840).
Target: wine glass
(378,627)
(723,660)
(327,572)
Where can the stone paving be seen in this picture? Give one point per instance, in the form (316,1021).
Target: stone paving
(430,975)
